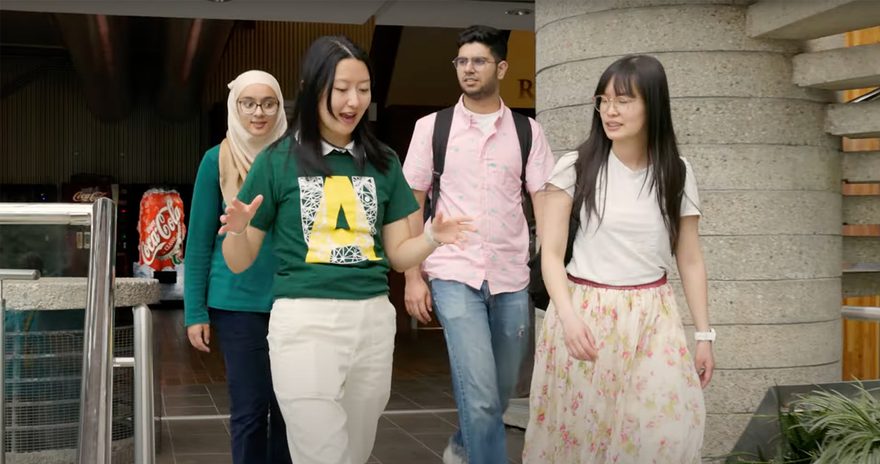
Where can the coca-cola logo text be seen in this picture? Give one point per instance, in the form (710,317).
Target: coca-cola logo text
(85,196)
(161,230)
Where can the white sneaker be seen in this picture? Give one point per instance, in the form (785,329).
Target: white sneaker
(449,457)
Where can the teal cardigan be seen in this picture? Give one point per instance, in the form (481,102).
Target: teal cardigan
(208,282)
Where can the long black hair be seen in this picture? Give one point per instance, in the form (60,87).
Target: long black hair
(636,75)
(316,77)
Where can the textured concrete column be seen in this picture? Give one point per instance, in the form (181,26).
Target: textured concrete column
(769,179)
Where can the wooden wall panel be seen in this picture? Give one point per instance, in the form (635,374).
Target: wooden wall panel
(861,350)
(861,339)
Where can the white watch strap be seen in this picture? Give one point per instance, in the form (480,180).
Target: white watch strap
(705,336)
(429,236)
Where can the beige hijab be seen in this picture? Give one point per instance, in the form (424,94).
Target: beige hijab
(239,149)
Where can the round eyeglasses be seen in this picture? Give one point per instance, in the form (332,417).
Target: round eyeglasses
(621,103)
(479,62)
(249,106)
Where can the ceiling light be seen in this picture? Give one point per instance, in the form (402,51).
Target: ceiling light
(519,12)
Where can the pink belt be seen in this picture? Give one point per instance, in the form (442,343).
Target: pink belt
(590,283)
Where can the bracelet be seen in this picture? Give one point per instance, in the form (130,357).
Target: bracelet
(705,336)
(429,237)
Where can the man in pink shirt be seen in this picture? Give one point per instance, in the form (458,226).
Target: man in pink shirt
(479,290)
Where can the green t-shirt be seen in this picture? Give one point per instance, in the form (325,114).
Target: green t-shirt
(327,231)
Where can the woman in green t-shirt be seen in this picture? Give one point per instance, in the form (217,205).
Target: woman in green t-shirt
(336,202)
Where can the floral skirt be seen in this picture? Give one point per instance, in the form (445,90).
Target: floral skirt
(640,402)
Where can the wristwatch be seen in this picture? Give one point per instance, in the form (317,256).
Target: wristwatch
(705,336)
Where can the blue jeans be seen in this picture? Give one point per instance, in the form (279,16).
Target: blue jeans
(486,337)
(255,424)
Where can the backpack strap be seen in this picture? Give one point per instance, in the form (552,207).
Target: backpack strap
(442,126)
(524,134)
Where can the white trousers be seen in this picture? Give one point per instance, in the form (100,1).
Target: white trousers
(331,371)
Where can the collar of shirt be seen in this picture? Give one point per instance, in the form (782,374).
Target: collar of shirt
(327,148)
(471,117)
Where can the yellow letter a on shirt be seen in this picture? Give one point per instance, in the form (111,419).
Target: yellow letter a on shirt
(339,195)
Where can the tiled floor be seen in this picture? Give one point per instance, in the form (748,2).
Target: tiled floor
(419,418)
(401,439)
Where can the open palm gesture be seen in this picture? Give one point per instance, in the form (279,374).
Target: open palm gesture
(238,215)
(451,231)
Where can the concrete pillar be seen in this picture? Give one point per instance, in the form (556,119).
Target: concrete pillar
(769,178)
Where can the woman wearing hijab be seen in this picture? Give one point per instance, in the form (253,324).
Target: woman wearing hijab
(237,305)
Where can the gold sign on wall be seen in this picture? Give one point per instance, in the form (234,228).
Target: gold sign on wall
(518,86)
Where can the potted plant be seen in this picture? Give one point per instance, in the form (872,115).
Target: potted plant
(820,424)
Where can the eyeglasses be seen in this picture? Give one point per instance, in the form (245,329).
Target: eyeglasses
(249,106)
(603,104)
(479,62)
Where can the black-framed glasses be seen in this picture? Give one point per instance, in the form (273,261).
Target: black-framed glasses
(461,62)
(249,106)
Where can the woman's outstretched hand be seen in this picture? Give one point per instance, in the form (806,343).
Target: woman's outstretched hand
(238,215)
(451,231)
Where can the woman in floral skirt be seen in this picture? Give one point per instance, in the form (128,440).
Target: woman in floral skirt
(614,380)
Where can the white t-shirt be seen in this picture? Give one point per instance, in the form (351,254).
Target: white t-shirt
(484,121)
(631,246)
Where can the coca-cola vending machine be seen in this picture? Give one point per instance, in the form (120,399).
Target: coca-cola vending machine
(161,233)
(78,240)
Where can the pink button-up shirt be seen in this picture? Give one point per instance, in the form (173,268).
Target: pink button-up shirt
(481,179)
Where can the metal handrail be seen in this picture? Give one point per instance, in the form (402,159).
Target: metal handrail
(142,362)
(96,396)
(867,313)
(76,214)
(144,412)
(97,371)
(19,274)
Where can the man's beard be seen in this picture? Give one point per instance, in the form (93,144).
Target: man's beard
(487,90)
